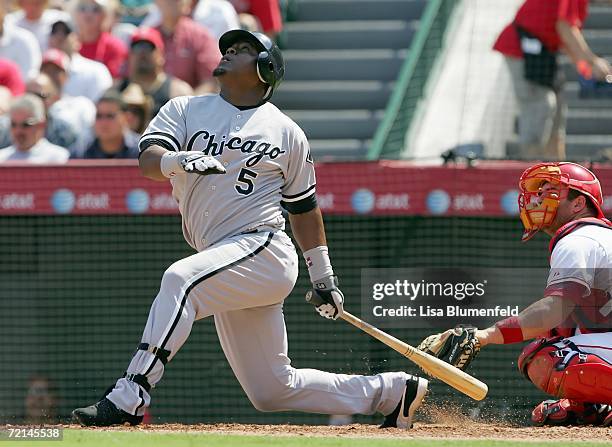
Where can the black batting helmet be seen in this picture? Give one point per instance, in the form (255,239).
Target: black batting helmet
(270,64)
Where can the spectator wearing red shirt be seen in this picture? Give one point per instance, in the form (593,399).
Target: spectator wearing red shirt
(267,13)
(93,19)
(530,45)
(191,52)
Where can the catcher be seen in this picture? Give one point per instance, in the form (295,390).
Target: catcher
(570,355)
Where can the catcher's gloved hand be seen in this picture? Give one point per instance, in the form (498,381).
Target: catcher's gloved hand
(327,297)
(456,346)
(195,162)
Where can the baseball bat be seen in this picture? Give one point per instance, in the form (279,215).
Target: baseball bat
(449,374)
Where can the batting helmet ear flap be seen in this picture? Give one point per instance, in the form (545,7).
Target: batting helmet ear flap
(265,68)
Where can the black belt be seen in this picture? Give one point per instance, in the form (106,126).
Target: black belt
(250,231)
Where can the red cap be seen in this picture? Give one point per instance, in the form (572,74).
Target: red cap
(56,57)
(150,35)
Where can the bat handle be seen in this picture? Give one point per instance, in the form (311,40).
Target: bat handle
(313,298)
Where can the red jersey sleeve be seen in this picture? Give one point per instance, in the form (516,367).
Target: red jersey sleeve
(268,13)
(573,12)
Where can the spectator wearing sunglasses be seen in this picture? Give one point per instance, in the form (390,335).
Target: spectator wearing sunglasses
(113,138)
(28,124)
(93,21)
(58,130)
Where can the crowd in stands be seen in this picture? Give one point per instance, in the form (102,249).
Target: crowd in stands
(88,75)
(82,78)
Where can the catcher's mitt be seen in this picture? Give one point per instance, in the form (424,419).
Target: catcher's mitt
(456,346)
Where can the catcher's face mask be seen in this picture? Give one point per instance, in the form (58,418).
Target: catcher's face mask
(542,187)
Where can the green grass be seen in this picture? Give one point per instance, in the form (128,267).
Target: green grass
(135,439)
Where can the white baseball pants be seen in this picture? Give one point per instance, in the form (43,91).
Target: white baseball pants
(242,281)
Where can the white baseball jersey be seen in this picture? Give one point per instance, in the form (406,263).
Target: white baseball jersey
(265,153)
(238,276)
(584,258)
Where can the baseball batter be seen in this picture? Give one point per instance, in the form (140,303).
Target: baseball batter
(234,161)
(571,357)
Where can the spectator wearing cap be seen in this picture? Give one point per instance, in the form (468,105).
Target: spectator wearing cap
(85,77)
(58,130)
(19,45)
(113,138)
(93,19)
(146,69)
(67,116)
(36,17)
(28,123)
(11,85)
(138,108)
(217,16)
(10,77)
(78,110)
(191,53)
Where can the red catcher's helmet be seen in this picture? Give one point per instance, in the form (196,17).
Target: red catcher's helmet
(538,206)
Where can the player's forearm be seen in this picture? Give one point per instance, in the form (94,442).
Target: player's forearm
(574,43)
(149,163)
(535,321)
(490,336)
(544,315)
(308,229)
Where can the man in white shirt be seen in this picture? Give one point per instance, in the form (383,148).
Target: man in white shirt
(85,77)
(28,125)
(80,111)
(36,17)
(20,46)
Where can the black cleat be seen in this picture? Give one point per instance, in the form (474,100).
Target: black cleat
(416,388)
(104,414)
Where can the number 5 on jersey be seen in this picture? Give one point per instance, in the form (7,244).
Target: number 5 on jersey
(245,184)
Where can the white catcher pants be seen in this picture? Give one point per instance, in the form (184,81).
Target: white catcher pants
(242,281)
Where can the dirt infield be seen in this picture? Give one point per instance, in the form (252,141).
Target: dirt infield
(420,431)
(436,422)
